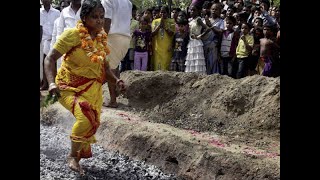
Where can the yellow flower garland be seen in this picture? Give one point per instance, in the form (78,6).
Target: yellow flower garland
(95,54)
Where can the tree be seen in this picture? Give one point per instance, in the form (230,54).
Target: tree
(55,2)
(143,4)
(276,3)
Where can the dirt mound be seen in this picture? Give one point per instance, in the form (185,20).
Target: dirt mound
(194,126)
(248,107)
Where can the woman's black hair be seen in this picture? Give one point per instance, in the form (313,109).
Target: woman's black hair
(182,20)
(231,18)
(166,8)
(148,9)
(249,26)
(88,6)
(176,8)
(206,5)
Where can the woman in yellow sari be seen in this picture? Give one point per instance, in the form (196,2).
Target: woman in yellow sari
(78,83)
(162,38)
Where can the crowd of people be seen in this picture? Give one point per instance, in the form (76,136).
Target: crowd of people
(233,38)
(86,43)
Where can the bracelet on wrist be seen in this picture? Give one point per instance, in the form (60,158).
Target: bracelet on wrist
(52,84)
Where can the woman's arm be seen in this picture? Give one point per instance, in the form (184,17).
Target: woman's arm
(155,31)
(49,64)
(205,27)
(50,69)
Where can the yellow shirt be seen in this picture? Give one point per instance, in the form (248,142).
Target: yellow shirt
(241,50)
(161,42)
(77,62)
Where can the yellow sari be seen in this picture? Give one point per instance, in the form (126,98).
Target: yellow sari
(161,45)
(80,84)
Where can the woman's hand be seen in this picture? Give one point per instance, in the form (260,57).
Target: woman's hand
(54,90)
(243,37)
(162,22)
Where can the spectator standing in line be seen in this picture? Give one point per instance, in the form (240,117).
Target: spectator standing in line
(257,32)
(142,44)
(69,16)
(267,19)
(195,61)
(68,19)
(211,44)
(244,49)
(48,15)
(269,62)
(229,42)
(147,13)
(183,15)
(163,30)
(174,13)
(155,13)
(118,14)
(179,46)
(63,4)
(127,61)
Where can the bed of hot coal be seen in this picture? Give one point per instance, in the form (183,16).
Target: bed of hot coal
(104,165)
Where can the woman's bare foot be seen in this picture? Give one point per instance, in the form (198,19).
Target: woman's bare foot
(74,165)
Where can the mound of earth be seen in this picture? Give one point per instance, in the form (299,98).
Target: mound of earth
(247,107)
(197,127)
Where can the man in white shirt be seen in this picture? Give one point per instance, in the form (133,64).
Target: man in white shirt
(69,16)
(63,4)
(117,16)
(48,15)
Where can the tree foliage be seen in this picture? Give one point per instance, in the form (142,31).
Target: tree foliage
(276,3)
(143,4)
(55,2)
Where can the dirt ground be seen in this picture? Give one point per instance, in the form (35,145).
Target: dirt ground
(243,114)
(249,107)
(197,126)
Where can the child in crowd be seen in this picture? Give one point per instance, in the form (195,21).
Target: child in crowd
(229,42)
(243,50)
(223,14)
(127,62)
(142,42)
(257,34)
(195,61)
(180,42)
(182,15)
(257,23)
(268,63)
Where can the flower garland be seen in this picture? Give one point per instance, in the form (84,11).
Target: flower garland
(95,54)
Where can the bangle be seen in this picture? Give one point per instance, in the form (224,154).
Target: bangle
(52,84)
